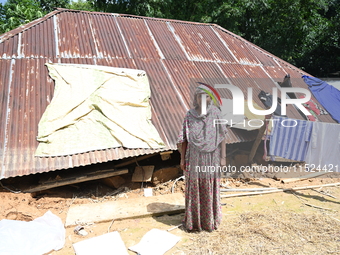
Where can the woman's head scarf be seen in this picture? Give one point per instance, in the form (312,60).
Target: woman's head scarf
(200,130)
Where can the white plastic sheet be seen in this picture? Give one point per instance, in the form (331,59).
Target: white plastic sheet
(36,237)
(155,242)
(107,244)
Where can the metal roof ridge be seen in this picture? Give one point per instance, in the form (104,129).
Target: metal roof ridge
(24,27)
(9,34)
(139,17)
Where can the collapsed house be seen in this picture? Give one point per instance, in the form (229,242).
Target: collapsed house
(172,54)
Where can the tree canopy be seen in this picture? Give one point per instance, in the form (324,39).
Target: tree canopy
(303,32)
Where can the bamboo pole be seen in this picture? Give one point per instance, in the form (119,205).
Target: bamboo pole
(250,189)
(252,193)
(280,190)
(315,186)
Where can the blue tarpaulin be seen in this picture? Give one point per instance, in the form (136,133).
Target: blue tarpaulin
(327,95)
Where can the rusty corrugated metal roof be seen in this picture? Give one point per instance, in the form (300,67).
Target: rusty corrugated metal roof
(173,53)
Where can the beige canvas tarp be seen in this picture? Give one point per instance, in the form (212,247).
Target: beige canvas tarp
(96,107)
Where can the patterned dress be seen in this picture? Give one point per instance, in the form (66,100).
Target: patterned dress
(202,180)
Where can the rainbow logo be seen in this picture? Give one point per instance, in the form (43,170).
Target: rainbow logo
(211,91)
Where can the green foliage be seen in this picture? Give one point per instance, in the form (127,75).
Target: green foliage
(49,5)
(81,5)
(324,58)
(16,13)
(290,29)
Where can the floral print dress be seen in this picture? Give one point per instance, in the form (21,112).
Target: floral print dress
(202,180)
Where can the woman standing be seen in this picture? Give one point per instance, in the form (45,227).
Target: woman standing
(202,146)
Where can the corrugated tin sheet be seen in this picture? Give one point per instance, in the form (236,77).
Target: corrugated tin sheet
(175,54)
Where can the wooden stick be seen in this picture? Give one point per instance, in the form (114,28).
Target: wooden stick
(77,179)
(308,176)
(300,198)
(315,206)
(256,143)
(108,229)
(250,189)
(324,193)
(253,193)
(134,160)
(174,227)
(319,207)
(334,218)
(315,186)
(280,190)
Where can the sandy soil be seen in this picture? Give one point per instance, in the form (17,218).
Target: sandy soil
(304,222)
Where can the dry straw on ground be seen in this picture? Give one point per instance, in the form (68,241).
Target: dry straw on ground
(270,232)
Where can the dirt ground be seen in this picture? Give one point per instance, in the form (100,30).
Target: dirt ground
(301,222)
